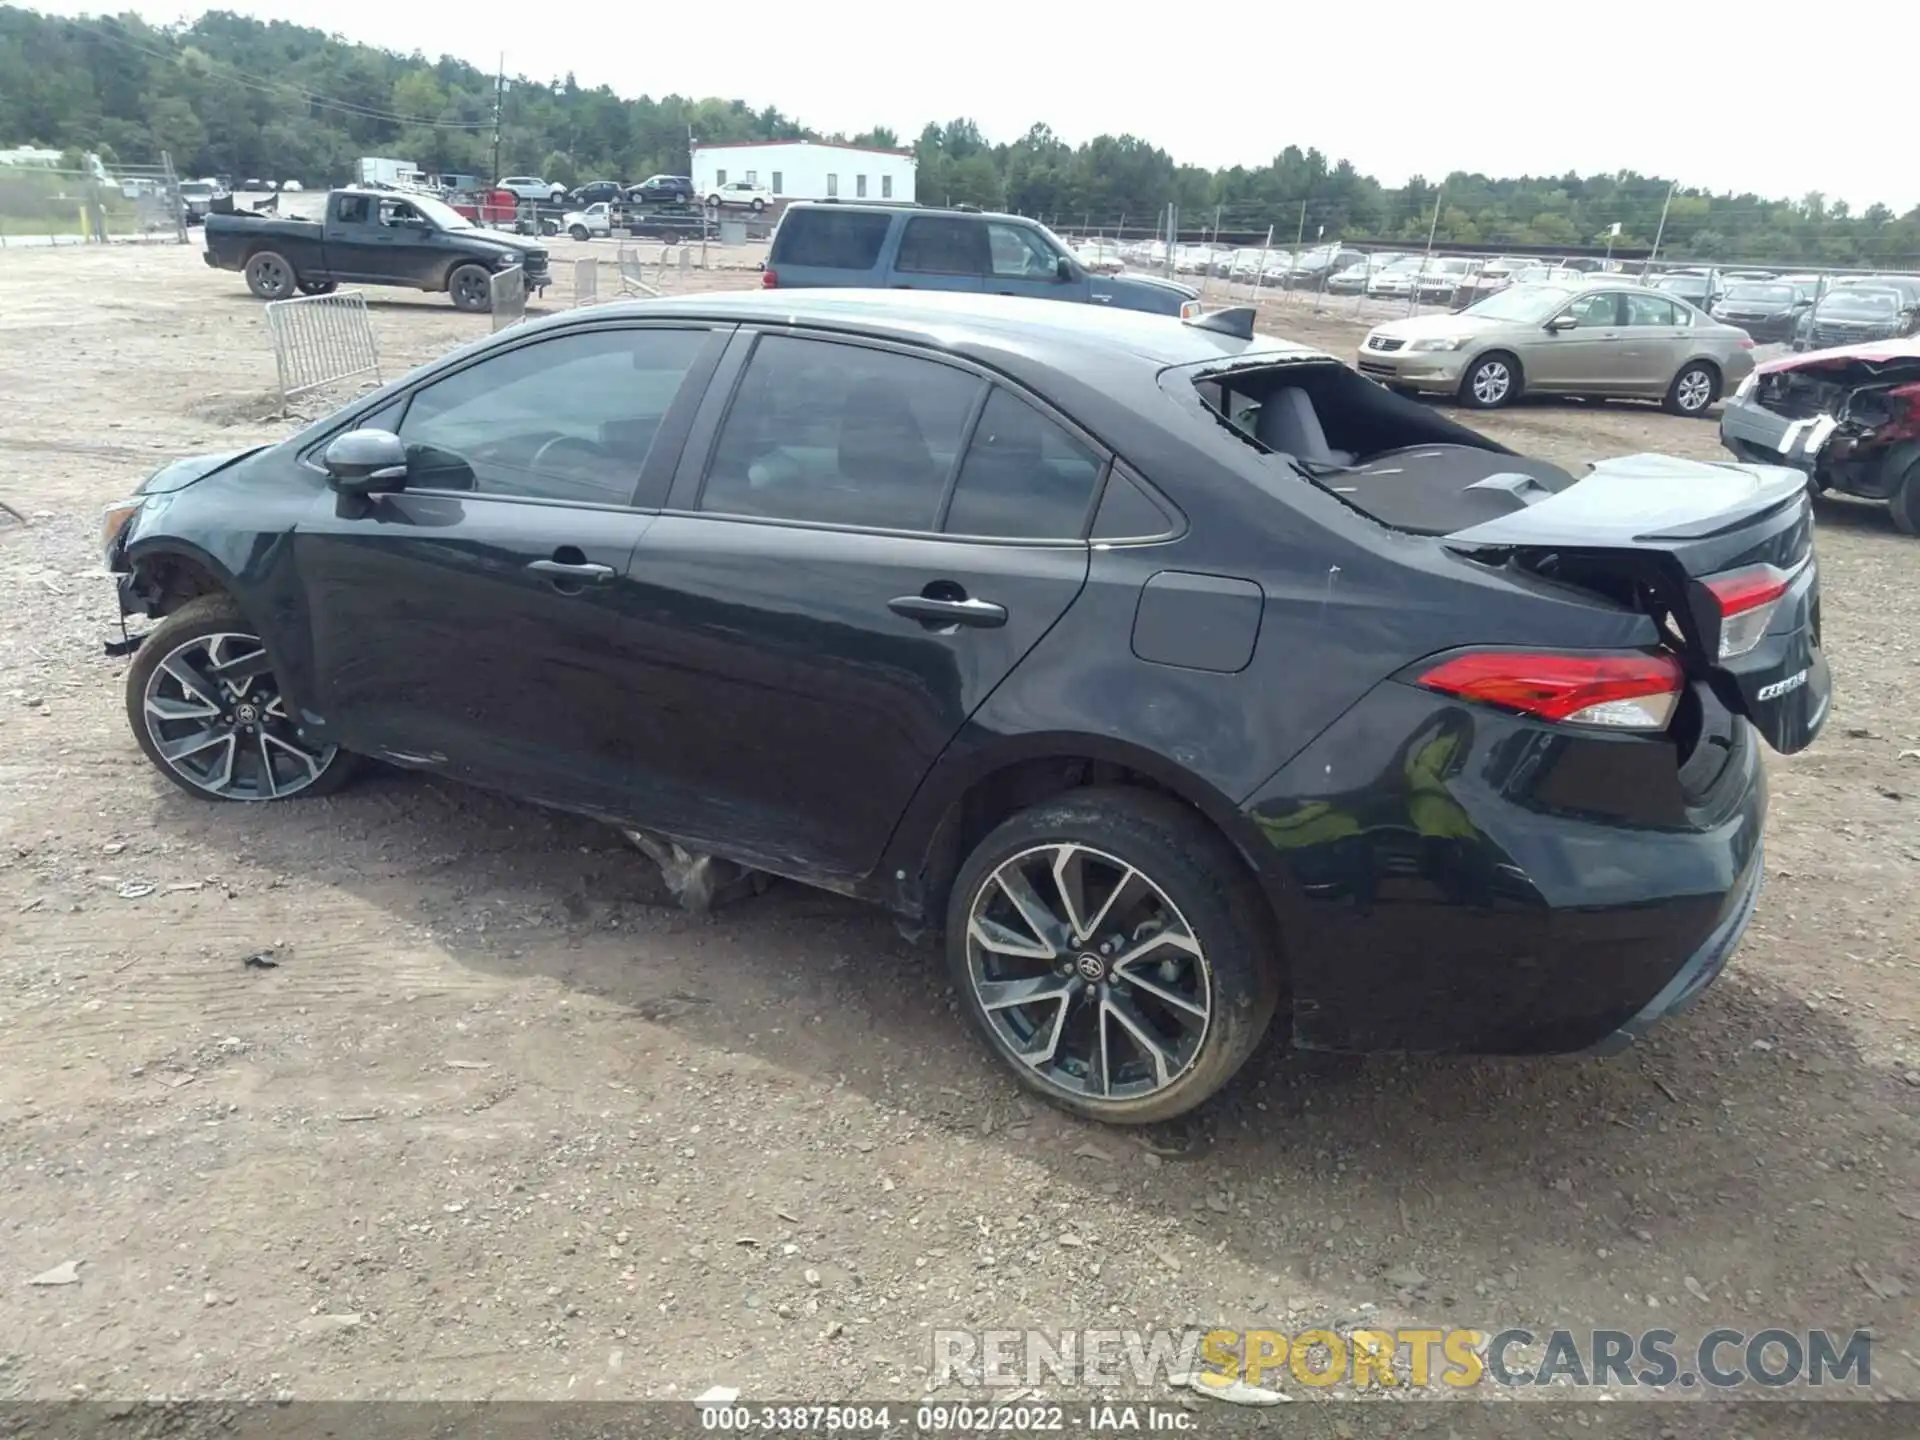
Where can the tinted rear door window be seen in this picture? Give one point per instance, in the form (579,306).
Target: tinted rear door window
(939,245)
(833,240)
(1024,477)
(840,435)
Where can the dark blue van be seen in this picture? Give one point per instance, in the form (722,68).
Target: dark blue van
(911,247)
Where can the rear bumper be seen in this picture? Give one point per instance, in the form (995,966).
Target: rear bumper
(1454,878)
(1692,979)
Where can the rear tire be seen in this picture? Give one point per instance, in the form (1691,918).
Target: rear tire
(318,287)
(713,202)
(758,206)
(270,277)
(1693,390)
(471,289)
(1904,505)
(218,739)
(1167,931)
(1491,381)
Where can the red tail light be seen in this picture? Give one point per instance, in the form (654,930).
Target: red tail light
(769,280)
(1747,599)
(1615,692)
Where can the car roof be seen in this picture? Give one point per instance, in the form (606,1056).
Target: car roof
(982,325)
(897,207)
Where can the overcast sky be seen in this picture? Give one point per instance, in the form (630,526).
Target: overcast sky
(1720,98)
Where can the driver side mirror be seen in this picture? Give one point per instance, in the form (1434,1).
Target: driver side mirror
(1063,267)
(362,462)
(1562,323)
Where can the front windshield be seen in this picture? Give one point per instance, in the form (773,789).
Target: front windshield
(1860,302)
(1682,285)
(1524,304)
(1761,294)
(442,216)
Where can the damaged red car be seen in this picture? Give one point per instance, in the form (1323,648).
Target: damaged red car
(1849,418)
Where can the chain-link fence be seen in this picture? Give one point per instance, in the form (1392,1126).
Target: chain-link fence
(98,204)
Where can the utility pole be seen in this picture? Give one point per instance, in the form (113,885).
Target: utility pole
(499,98)
(1659,234)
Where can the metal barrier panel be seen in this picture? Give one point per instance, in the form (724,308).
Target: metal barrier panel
(586,281)
(508,289)
(321,340)
(633,273)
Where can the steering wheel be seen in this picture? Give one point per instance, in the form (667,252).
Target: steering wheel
(564,446)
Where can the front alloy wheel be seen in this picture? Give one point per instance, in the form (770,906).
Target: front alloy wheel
(1489,384)
(1114,952)
(207,709)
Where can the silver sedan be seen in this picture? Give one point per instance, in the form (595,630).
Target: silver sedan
(1599,338)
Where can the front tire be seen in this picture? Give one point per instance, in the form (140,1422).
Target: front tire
(579,232)
(318,287)
(1490,382)
(270,277)
(758,206)
(471,289)
(209,714)
(1112,950)
(1693,390)
(1904,504)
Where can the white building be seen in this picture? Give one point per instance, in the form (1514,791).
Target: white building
(806,169)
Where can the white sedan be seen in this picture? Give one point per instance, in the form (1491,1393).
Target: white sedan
(744,194)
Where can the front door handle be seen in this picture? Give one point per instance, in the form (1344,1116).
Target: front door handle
(978,614)
(563,573)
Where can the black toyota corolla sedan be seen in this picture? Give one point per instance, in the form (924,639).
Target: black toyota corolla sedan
(1176,676)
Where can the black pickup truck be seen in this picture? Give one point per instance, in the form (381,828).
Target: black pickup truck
(372,237)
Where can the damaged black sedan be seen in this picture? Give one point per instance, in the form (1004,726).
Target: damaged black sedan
(1176,677)
(1848,419)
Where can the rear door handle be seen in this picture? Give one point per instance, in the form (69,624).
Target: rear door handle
(560,571)
(979,614)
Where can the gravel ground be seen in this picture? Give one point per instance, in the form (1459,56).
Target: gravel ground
(500,1122)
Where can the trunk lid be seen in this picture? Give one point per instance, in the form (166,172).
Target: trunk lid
(1693,543)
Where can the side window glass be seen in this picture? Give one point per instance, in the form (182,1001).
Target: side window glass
(1024,477)
(1017,253)
(940,246)
(1128,512)
(1599,310)
(571,418)
(1652,310)
(840,435)
(353,209)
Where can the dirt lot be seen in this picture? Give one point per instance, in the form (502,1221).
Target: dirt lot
(501,1122)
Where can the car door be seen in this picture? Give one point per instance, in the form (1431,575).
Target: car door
(1021,262)
(940,252)
(475,622)
(816,629)
(1585,358)
(1656,340)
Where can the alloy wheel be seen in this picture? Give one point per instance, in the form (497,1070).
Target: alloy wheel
(217,719)
(1491,382)
(1087,972)
(274,279)
(1693,390)
(474,291)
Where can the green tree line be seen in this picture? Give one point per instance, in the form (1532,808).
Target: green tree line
(237,96)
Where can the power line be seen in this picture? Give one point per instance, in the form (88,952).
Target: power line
(350,108)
